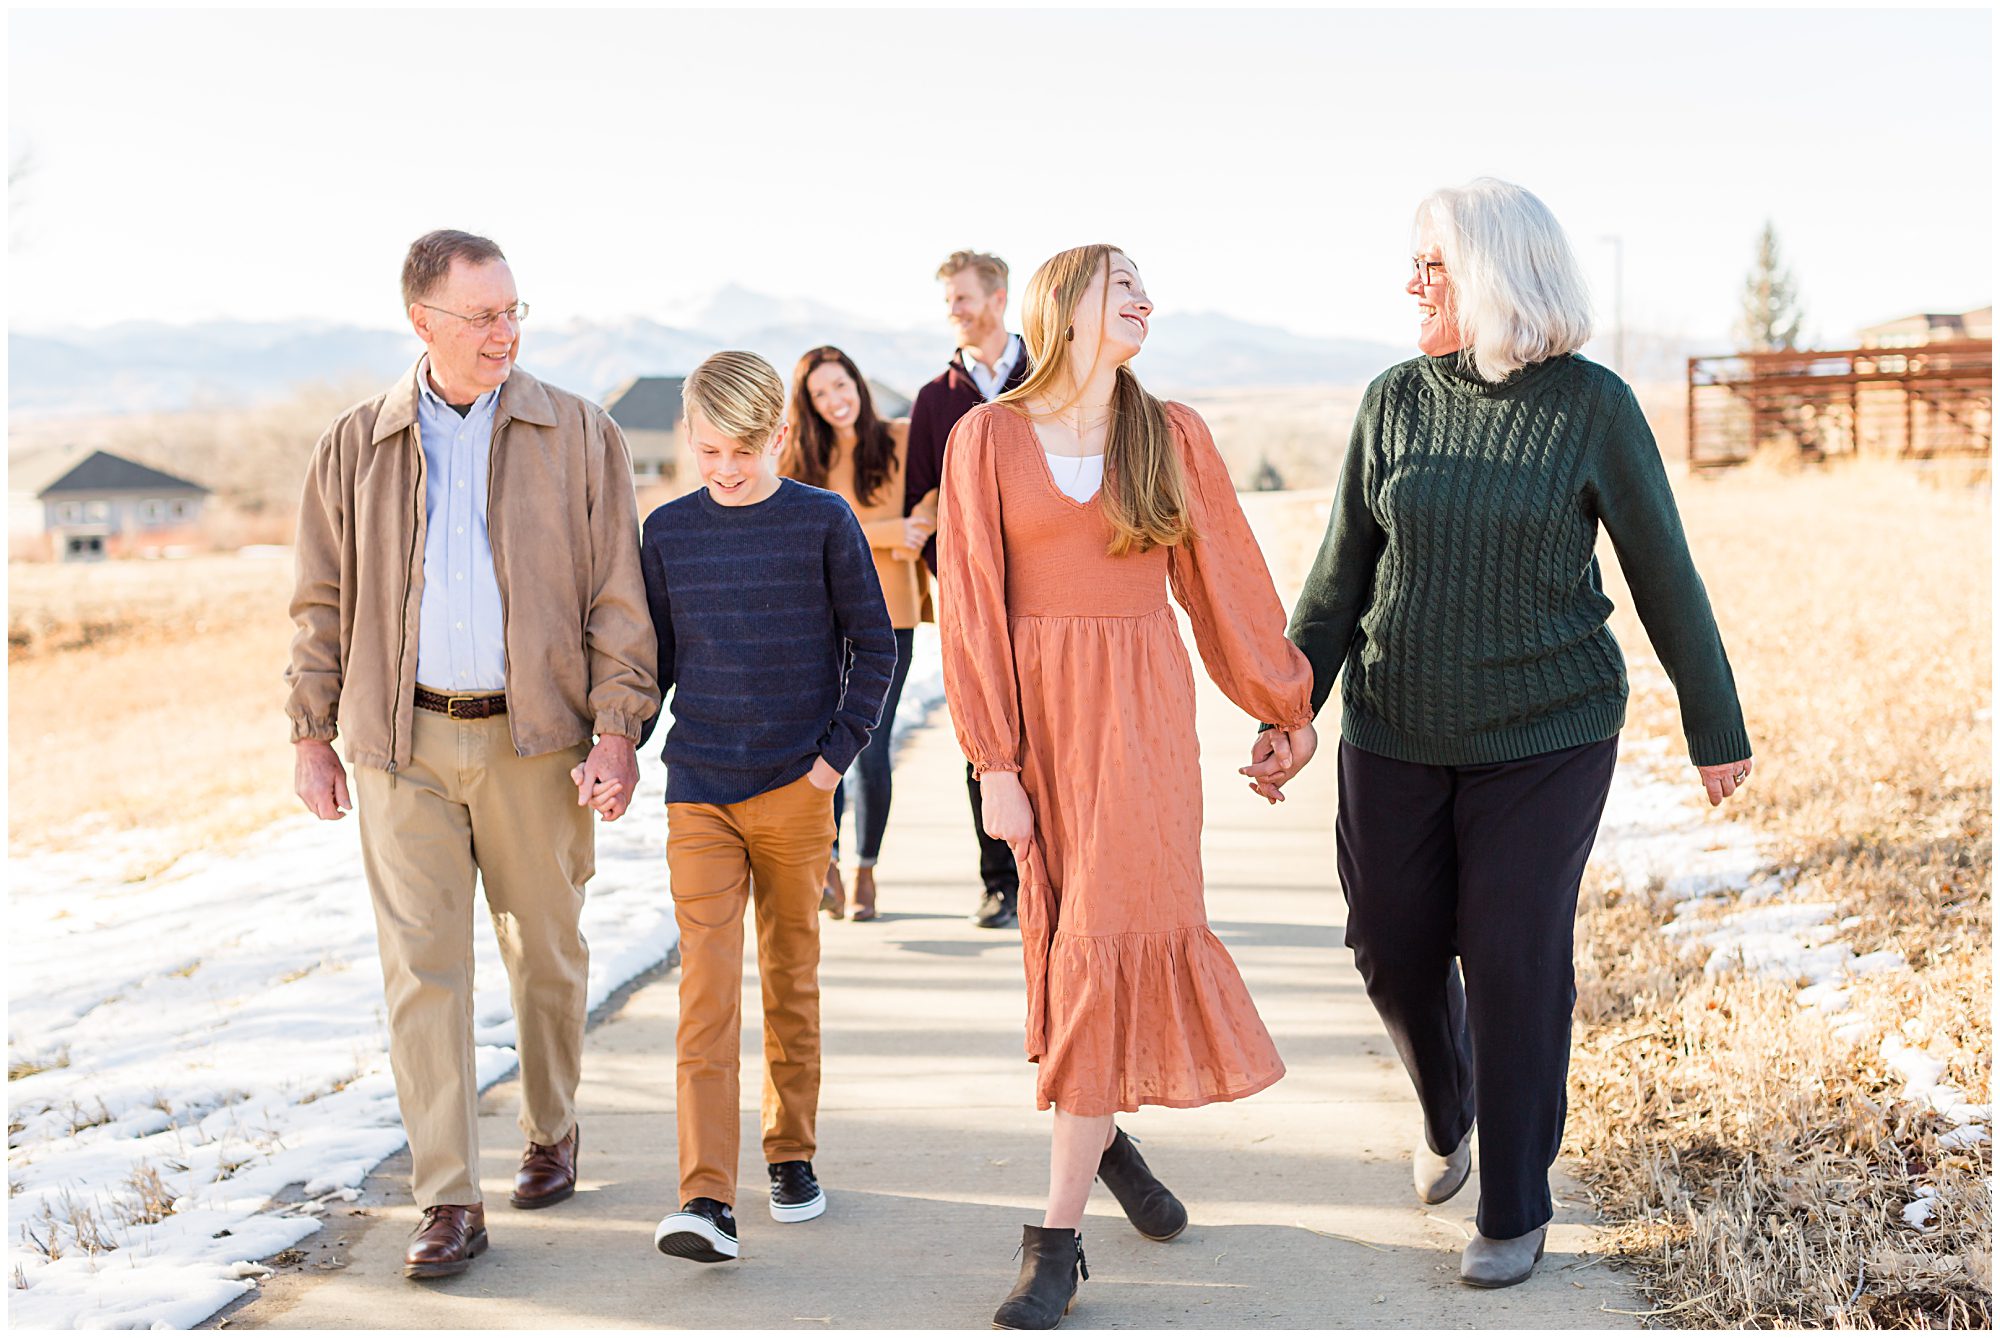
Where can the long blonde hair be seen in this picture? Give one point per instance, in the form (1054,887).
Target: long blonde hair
(1144,493)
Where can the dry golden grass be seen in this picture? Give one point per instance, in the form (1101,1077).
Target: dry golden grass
(1301,431)
(147,697)
(1756,1165)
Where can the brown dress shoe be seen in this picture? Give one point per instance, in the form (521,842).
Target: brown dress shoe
(548,1174)
(446,1240)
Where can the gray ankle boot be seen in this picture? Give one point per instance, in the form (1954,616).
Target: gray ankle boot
(1149,1205)
(1438,1178)
(1500,1263)
(1051,1262)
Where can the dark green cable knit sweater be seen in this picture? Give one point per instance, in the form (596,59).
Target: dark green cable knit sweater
(1458,585)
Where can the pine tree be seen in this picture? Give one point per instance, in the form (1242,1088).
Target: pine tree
(1771,315)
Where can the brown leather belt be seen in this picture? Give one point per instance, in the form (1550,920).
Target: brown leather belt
(463,706)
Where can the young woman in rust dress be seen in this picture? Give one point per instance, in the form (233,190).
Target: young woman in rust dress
(1071,506)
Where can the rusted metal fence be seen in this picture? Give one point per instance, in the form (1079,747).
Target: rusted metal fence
(1905,403)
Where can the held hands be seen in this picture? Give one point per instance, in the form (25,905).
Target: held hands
(1725,780)
(320,780)
(1276,757)
(606,779)
(917,531)
(823,777)
(1004,811)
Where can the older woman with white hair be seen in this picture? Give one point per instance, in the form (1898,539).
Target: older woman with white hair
(1458,597)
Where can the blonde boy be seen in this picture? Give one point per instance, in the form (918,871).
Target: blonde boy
(776,642)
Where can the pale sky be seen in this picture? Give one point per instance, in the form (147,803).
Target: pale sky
(274,165)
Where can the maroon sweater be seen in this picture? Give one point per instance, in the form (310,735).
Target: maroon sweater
(939,406)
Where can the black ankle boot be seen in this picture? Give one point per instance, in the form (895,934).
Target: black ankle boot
(1150,1205)
(1051,1261)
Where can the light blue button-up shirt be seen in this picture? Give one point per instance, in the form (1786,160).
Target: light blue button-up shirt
(461,642)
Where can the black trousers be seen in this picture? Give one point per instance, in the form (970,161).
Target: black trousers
(1476,867)
(996,861)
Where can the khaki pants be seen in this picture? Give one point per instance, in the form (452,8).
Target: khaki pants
(468,803)
(778,843)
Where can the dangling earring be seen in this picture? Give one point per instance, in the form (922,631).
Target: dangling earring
(1069,335)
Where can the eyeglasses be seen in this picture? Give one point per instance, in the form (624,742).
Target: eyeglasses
(484,320)
(1425,271)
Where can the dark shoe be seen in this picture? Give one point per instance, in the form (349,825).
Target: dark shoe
(1150,1205)
(447,1239)
(1051,1261)
(1501,1263)
(1438,1178)
(795,1192)
(704,1230)
(864,893)
(548,1174)
(996,911)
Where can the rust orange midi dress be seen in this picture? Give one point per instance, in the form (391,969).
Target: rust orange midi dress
(1066,664)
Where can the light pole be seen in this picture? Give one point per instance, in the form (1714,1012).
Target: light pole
(1618,303)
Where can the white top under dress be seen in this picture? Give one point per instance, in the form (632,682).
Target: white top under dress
(1079,476)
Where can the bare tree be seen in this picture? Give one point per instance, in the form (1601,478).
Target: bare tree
(1771,315)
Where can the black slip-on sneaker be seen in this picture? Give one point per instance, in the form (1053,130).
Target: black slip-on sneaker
(704,1230)
(795,1192)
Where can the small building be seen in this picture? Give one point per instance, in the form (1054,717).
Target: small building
(1929,327)
(888,403)
(647,410)
(108,506)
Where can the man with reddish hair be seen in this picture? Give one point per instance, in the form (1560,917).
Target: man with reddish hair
(988,361)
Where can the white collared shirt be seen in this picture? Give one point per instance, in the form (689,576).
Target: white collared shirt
(991,383)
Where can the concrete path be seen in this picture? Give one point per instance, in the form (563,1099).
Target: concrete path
(934,1156)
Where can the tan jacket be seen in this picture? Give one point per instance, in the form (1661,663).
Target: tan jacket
(564,528)
(905,583)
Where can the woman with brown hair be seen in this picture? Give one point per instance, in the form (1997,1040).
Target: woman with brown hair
(838,443)
(1071,505)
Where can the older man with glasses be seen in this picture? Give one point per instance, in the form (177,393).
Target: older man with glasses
(470,615)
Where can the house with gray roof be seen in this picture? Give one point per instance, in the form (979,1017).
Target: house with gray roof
(647,410)
(109,506)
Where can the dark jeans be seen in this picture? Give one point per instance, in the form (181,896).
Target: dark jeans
(870,772)
(1476,866)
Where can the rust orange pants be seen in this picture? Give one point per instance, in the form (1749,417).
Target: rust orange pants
(771,849)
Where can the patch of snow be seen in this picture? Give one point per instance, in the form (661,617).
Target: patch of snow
(1656,826)
(1826,994)
(1919,1211)
(1868,963)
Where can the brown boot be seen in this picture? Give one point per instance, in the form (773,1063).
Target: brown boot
(548,1174)
(446,1240)
(864,894)
(833,897)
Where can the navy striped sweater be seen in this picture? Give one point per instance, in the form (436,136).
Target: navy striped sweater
(773,637)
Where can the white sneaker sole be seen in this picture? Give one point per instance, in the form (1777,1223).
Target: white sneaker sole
(689,1236)
(799,1212)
